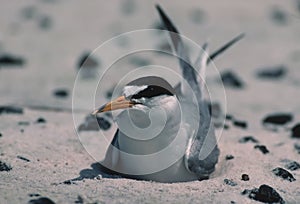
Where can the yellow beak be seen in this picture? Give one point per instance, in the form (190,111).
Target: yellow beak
(119,103)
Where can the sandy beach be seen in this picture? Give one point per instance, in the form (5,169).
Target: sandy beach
(43,100)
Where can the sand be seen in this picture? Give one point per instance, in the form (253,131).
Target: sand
(52,35)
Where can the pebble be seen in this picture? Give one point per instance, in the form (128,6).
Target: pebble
(41,120)
(229,157)
(94,123)
(87,61)
(248,139)
(4,166)
(9,60)
(272,73)
(296,131)
(61,93)
(23,158)
(292,165)
(262,148)
(283,174)
(241,124)
(10,110)
(230,182)
(278,119)
(245,177)
(279,16)
(297,147)
(265,194)
(230,79)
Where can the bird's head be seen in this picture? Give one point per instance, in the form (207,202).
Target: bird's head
(143,94)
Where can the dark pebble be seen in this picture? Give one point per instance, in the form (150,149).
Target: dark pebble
(278,119)
(10,110)
(94,123)
(4,166)
(197,16)
(9,60)
(41,120)
(272,73)
(215,109)
(68,182)
(297,147)
(283,174)
(230,79)
(28,12)
(262,148)
(248,139)
(42,200)
(229,157)
(24,123)
(23,158)
(245,177)
(87,61)
(61,93)
(34,195)
(264,194)
(226,126)
(296,131)
(293,165)
(279,16)
(230,182)
(128,7)
(45,22)
(79,200)
(241,124)
(0,134)
(229,117)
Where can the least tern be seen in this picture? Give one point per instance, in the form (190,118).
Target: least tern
(195,153)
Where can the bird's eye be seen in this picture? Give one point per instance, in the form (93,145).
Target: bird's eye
(152,91)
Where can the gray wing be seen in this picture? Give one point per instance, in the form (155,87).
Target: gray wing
(202,152)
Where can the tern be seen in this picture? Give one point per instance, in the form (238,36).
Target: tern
(165,133)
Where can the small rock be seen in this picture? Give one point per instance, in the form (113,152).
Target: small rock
(272,73)
(229,157)
(4,166)
(28,12)
(23,158)
(241,124)
(79,200)
(34,195)
(128,7)
(9,60)
(10,110)
(230,182)
(230,79)
(245,177)
(262,148)
(293,165)
(215,110)
(283,174)
(45,22)
(0,134)
(41,120)
(61,93)
(297,147)
(264,194)
(296,131)
(248,139)
(197,16)
(24,123)
(94,123)
(87,61)
(279,16)
(278,119)
(42,200)
(229,117)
